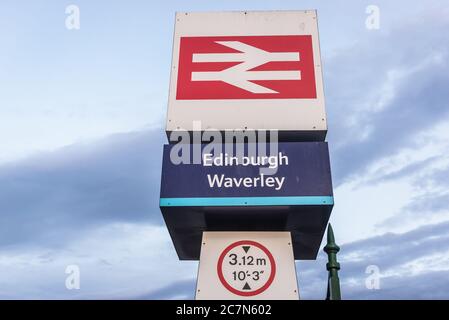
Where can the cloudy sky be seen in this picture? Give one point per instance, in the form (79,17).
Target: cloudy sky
(81,135)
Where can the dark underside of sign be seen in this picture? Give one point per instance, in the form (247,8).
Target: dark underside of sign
(228,193)
(306,223)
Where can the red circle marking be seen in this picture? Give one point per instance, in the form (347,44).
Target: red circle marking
(239,292)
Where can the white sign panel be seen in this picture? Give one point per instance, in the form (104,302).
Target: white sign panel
(247,265)
(247,70)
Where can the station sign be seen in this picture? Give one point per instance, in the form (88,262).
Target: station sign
(247,265)
(264,67)
(286,189)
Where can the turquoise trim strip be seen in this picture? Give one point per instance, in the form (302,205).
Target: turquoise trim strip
(246,201)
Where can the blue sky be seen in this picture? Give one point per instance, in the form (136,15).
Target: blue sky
(81,133)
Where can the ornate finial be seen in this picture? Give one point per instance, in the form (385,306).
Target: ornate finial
(331,248)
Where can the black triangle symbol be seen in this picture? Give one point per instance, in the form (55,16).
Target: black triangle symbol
(246,248)
(246,286)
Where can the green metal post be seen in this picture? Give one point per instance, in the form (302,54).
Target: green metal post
(331,248)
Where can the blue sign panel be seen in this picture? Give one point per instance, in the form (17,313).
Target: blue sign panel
(243,187)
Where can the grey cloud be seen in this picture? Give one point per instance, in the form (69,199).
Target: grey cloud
(357,75)
(184,289)
(390,252)
(405,171)
(437,177)
(52,196)
(425,206)
(430,201)
(429,286)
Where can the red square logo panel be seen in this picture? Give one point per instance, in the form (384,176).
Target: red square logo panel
(246,67)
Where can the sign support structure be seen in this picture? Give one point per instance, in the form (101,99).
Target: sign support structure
(244,206)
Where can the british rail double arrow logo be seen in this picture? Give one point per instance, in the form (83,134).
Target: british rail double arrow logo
(241,75)
(246,67)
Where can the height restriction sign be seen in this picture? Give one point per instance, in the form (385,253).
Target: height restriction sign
(246,268)
(247,265)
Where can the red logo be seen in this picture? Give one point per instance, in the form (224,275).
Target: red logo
(246,67)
